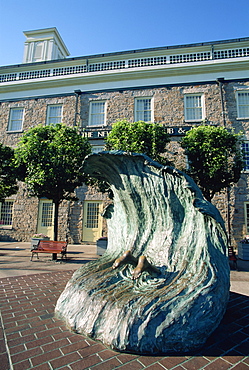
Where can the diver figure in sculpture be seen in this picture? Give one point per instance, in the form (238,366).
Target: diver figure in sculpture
(141,264)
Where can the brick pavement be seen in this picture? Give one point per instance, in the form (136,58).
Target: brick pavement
(31,338)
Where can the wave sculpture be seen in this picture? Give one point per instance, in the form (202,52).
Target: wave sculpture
(161,226)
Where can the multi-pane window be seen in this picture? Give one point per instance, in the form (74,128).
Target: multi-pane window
(246,210)
(97,148)
(97,113)
(92,215)
(143,109)
(243,104)
(6,212)
(54,114)
(194,107)
(47,214)
(16,119)
(245,151)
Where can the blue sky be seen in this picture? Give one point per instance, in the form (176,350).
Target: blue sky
(101,26)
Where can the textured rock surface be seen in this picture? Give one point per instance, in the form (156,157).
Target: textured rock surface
(158,212)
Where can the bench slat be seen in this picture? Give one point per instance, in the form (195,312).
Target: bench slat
(50,246)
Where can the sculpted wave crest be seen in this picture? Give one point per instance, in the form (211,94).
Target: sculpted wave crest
(178,294)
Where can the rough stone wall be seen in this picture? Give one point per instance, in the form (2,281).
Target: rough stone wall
(168,103)
(35,113)
(238,196)
(25,214)
(169,110)
(239,192)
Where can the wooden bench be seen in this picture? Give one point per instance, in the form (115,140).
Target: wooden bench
(232,257)
(50,246)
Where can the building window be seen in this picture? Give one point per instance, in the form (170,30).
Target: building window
(243,104)
(47,214)
(92,215)
(97,148)
(6,213)
(143,109)
(54,114)
(194,107)
(246,210)
(16,119)
(97,113)
(245,151)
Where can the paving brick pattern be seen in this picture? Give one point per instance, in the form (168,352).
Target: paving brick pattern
(31,338)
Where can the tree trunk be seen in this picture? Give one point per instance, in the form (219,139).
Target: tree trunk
(56,216)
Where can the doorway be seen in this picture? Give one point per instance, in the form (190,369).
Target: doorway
(92,221)
(45,223)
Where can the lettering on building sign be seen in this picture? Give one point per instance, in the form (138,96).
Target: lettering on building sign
(178,131)
(101,134)
(98,134)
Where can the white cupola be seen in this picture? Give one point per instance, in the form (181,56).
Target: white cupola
(44,44)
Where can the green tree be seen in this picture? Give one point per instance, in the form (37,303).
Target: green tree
(8,177)
(215,158)
(49,159)
(139,137)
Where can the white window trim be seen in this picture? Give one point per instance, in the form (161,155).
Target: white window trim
(90,113)
(237,103)
(48,111)
(151,107)
(202,106)
(2,226)
(12,109)
(245,170)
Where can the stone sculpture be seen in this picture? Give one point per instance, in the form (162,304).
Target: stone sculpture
(171,299)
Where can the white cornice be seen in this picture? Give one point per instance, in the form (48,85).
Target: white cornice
(132,78)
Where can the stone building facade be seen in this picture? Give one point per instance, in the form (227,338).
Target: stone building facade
(180,87)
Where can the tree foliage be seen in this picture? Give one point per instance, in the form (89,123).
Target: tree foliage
(139,137)
(215,158)
(49,159)
(8,182)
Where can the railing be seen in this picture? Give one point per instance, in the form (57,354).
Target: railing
(34,74)
(68,70)
(193,57)
(231,53)
(8,77)
(123,64)
(142,62)
(106,66)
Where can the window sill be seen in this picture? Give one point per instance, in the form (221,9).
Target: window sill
(242,118)
(14,132)
(6,227)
